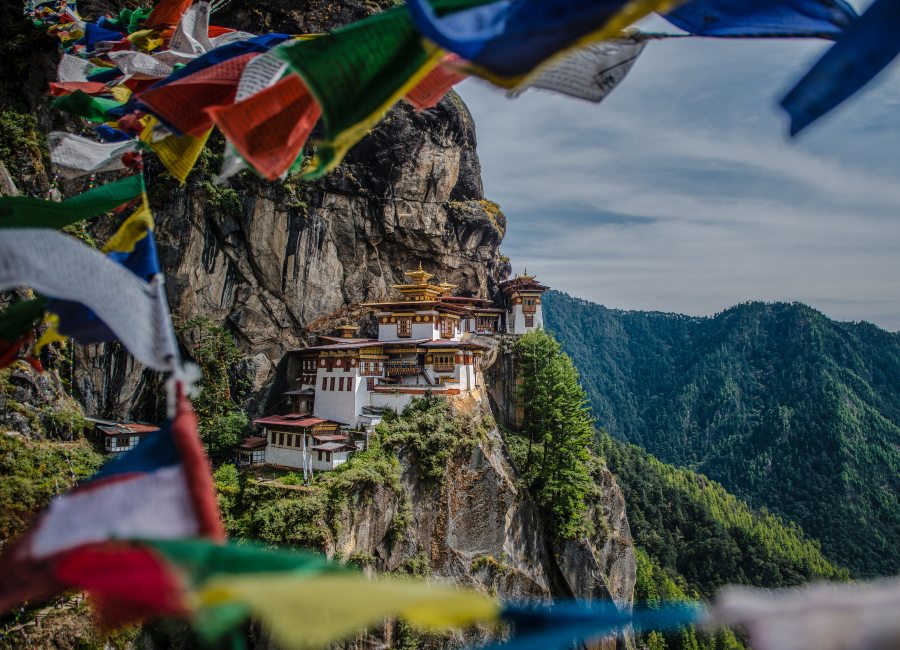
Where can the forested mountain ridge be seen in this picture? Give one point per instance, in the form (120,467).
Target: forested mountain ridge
(783,406)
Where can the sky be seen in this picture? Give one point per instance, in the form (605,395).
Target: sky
(682,192)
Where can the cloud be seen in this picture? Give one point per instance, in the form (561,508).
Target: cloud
(682,193)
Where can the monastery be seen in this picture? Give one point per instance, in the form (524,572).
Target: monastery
(342,386)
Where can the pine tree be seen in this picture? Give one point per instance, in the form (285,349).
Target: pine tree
(557,420)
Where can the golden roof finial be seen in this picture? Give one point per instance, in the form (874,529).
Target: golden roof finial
(419,276)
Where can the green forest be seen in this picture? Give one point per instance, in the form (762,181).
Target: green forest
(784,407)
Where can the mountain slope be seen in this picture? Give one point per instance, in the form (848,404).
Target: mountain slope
(784,407)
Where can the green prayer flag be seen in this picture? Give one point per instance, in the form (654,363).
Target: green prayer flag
(197,561)
(357,72)
(20,317)
(28,212)
(83,105)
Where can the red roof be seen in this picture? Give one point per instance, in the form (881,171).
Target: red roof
(253,442)
(293,421)
(127,428)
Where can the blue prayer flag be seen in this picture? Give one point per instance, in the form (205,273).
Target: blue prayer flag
(94,34)
(512,37)
(763,18)
(561,625)
(864,50)
(83,324)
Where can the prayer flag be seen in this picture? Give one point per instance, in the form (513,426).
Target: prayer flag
(58,89)
(303,611)
(763,18)
(565,624)
(94,109)
(162,489)
(591,72)
(270,128)
(76,156)
(859,616)
(28,212)
(72,68)
(437,83)
(508,39)
(183,103)
(863,51)
(61,267)
(167,12)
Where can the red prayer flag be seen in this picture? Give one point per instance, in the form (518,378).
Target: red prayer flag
(162,489)
(428,92)
(270,128)
(167,12)
(183,103)
(60,88)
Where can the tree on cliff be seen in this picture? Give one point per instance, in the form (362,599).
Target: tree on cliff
(559,430)
(220,419)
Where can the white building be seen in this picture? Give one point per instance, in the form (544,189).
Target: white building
(522,296)
(424,346)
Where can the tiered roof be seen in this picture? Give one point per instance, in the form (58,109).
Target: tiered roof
(522,283)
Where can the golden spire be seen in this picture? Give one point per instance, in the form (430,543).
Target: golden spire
(419,276)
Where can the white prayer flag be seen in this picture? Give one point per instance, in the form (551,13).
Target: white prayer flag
(591,72)
(76,156)
(71,68)
(861,616)
(60,266)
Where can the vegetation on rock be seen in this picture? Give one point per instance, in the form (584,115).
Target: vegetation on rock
(221,420)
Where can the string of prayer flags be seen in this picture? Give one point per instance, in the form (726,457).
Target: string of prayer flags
(763,18)
(509,39)
(863,51)
(28,212)
(591,72)
(62,267)
(255,45)
(859,616)
(76,156)
(566,624)
(437,83)
(93,109)
(269,128)
(357,72)
(162,489)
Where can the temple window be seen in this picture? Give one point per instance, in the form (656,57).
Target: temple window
(444,362)
(446,328)
(404,327)
(529,320)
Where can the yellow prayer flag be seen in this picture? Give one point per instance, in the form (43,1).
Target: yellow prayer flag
(132,230)
(50,335)
(120,93)
(178,153)
(146,40)
(306,612)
